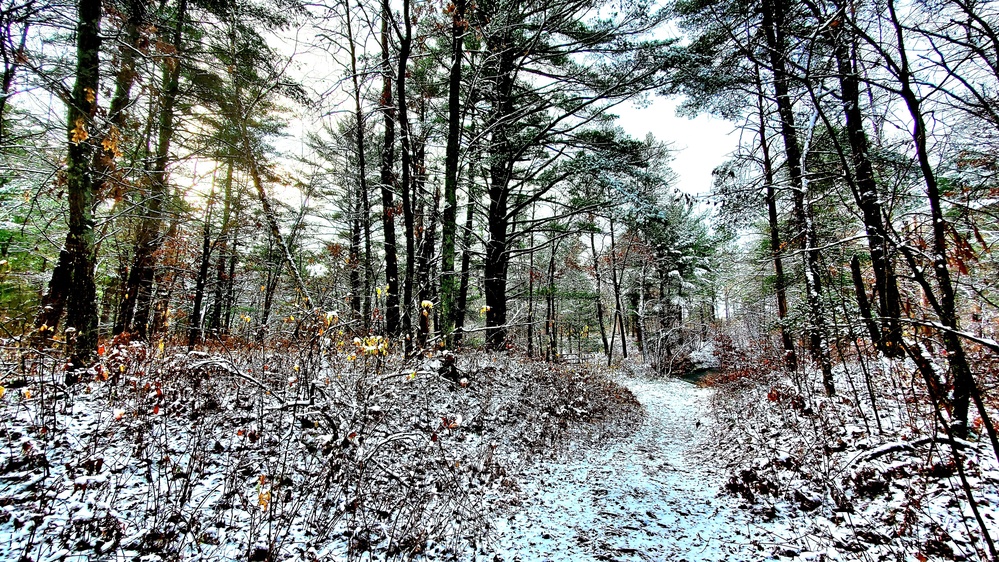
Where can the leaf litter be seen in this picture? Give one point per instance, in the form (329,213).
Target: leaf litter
(467,456)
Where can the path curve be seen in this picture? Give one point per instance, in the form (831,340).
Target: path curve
(647,497)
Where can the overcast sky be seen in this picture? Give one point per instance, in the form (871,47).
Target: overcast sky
(701,144)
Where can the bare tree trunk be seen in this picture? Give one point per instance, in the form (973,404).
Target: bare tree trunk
(54,300)
(866,195)
(139,287)
(449,225)
(195,330)
(964,382)
(387,183)
(223,281)
(600,303)
(406,186)
(776,246)
(773,27)
(82,300)
(500,172)
(362,182)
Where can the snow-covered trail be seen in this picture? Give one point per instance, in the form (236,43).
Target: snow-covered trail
(651,496)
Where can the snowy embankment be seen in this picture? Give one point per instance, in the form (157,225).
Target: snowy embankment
(653,496)
(264,457)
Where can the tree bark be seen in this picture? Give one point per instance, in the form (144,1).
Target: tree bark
(406,186)
(54,300)
(223,281)
(387,183)
(773,27)
(466,263)
(362,182)
(80,181)
(138,294)
(865,193)
(449,224)
(964,382)
(500,169)
(776,246)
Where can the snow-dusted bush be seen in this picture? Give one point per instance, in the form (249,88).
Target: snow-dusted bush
(868,471)
(305,453)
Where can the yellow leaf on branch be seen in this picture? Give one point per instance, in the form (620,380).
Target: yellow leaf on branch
(79,132)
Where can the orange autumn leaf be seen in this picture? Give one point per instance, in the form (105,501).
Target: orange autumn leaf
(79,132)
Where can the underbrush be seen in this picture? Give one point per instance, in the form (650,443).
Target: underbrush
(344,450)
(868,474)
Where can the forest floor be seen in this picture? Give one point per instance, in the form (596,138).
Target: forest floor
(655,495)
(342,452)
(756,465)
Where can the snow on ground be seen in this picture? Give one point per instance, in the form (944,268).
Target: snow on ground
(652,496)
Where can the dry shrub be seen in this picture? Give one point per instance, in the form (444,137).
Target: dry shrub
(306,452)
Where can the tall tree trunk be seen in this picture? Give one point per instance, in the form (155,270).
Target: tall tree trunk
(222,281)
(138,295)
(773,27)
(406,186)
(600,303)
(194,332)
(496,262)
(964,382)
(865,193)
(82,300)
(776,246)
(362,180)
(449,224)
(387,183)
(500,171)
(54,300)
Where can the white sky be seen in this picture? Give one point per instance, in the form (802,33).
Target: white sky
(701,144)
